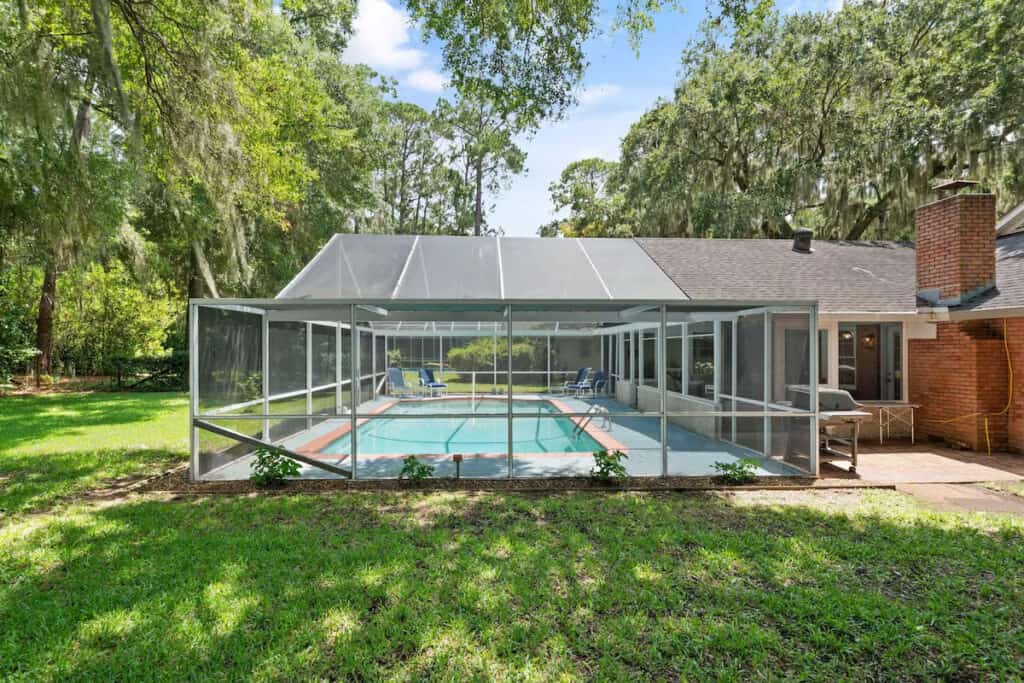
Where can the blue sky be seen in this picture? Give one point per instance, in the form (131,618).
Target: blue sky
(618,87)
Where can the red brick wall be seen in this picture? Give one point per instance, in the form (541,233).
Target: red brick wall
(955,244)
(1015,338)
(961,372)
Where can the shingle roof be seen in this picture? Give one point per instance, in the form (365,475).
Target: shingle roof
(1009,292)
(876,277)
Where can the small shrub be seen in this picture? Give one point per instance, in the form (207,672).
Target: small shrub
(743,471)
(414,470)
(272,466)
(46,380)
(608,466)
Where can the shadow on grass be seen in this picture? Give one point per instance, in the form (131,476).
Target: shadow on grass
(27,419)
(454,586)
(35,482)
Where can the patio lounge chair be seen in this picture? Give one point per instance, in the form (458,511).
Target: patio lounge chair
(597,382)
(396,383)
(577,384)
(428,382)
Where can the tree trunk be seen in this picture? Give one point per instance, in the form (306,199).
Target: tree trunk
(870,215)
(478,209)
(44,323)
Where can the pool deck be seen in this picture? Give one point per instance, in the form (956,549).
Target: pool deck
(689,453)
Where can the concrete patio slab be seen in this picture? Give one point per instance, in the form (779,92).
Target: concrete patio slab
(925,463)
(964,498)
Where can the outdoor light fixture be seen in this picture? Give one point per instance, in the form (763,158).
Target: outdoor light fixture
(869,340)
(847,335)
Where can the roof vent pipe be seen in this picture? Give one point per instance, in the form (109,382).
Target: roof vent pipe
(802,240)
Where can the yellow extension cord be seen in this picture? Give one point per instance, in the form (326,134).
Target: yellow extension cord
(1009,397)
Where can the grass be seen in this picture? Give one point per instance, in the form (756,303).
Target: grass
(57,445)
(463,586)
(1014,487)
(857,585)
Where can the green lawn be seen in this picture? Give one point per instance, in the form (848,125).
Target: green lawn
(56,445)
(857,585)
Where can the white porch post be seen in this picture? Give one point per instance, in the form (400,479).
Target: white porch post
(339,399)
(832,326)
(767,382)
(735,355)
(661,368)
(508,398)
(373,361)
(265,371)
(193,388)
(309,375)
(353,387)
(813,376)
(549,362)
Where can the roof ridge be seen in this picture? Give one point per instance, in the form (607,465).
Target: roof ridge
(665,272)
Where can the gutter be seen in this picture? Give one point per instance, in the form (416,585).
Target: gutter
(986,313)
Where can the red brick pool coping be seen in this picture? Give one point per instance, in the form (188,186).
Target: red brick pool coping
(312,448)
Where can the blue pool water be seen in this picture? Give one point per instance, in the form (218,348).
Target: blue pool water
(530,433)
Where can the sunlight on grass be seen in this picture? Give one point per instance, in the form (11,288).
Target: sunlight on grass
(59,445)
(621,586)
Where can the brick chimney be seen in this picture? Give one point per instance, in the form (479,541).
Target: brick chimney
(956,247)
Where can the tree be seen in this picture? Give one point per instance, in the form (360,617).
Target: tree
(588,189)
(482,140)
(840,121)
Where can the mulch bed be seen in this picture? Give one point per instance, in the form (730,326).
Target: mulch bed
(177,482)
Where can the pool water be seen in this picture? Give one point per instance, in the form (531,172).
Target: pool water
(530,433)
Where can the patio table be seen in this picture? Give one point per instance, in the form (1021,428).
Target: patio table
(890,413)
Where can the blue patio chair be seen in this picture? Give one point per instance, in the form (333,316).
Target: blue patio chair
(597,382)
(396,383)
(578,383)
(428,382)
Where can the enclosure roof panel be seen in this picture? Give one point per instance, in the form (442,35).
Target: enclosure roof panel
(444,268)
(451,268)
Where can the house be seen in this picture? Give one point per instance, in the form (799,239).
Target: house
(707,350)
(930,323)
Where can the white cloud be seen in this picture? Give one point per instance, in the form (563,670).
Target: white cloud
(593,94)
(381,38)
(427,80)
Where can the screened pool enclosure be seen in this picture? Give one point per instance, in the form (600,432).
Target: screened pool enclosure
(496,358)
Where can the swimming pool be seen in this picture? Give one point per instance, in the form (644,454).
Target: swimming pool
(434,436)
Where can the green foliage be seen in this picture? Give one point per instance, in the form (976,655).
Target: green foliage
(589,189)
(271,467)
(479,353)
(395,358)
(16,347)
(742,471)
(104,318)
(836,120)
(414,470)
(608,466)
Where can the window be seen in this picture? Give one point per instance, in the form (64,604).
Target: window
(848,357)
(701,360)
